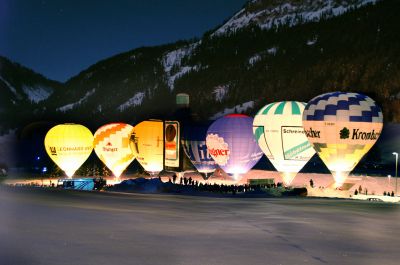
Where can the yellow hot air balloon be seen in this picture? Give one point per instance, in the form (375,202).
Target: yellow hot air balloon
(342,127)
(69,145)
(111,144)
(147,142)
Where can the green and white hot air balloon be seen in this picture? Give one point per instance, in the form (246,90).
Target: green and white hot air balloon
(278,129)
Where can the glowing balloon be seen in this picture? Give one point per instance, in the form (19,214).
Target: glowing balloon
(111,144)
(194,145)
(69,145)
(278,129)
(342,127)
(231,144)
(147,142)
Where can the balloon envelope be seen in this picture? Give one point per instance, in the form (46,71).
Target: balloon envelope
(147,142)
(279,132)
(231,144)
(342,127)
(194,145)
(69,145)
(111,144)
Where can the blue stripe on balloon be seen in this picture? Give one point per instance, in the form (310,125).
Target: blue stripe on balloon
(355,118)
(342,105)
(330,109)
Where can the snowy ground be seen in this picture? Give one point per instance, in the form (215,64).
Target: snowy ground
(323,183)
(66,227)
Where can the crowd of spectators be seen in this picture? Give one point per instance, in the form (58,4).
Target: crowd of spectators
(189,183)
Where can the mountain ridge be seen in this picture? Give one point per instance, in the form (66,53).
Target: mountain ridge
(238,71)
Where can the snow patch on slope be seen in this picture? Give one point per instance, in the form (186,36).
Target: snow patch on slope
(172,63)
(312,41)
(289,13)
(75,104)
(255,58)
(134,101)
(236,109)
(37,93)
(220,92)
(182,71)
(272,50)
(12,89)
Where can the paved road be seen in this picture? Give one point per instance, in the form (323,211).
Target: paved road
(60,227)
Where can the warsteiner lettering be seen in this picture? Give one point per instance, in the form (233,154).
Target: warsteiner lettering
(218,152)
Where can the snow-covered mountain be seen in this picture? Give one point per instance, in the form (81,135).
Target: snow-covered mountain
(24,94)
(22,84)
(267,51)
(272,13)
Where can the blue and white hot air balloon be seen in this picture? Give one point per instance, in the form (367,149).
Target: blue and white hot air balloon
(342,127)
(231,144)
(194,145)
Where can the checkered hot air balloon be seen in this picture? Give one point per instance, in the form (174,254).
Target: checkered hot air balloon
(231,144)
(342,127)
(194,145)
(278,129)
(111,144)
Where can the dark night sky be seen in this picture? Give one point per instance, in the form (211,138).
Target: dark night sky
(60,38)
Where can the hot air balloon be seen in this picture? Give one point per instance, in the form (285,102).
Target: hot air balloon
(147,143)
(342,127)
(194,145)
(111,144)
(69,145)
(231,144)
(279,132)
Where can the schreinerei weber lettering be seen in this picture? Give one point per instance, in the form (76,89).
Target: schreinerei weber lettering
(312,133)
(372,135)
(293,131)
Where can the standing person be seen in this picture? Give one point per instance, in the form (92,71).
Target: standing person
(311,183)
(174,178)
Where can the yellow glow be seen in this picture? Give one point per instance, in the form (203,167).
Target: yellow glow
(147,142)
(288,177)
(111,144)
(339,177)
(69,145)
(69,172)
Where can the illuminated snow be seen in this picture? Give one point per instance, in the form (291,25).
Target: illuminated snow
(173,59)
(12,89)
(220,92)
(290,14)
(255,58)
(75,104)
(134,101)
(37,93)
